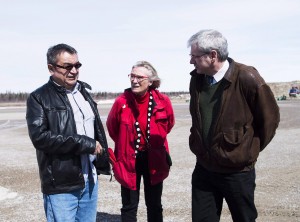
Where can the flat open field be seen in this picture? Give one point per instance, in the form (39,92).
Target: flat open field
(278,172)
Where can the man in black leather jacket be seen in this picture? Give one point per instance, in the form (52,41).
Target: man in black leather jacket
(71,147)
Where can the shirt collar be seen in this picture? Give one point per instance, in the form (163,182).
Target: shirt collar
(75,89)
(220,74)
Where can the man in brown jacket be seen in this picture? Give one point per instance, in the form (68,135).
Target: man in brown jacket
(234,117)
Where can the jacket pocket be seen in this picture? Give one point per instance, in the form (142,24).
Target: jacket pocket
(236,147)
(65,170)
(232,138)
(55,109)
(161,120)
(57,117)
(126,123)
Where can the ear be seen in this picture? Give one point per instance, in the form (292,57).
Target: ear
(51,68)
(214,54)
(150,83)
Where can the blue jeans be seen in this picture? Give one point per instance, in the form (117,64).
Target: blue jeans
(78,205)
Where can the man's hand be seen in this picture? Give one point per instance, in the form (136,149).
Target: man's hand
(99,149)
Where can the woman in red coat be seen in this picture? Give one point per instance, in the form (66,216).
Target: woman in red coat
(138,123)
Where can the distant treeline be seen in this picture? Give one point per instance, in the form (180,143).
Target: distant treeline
(22,97)
(13,97)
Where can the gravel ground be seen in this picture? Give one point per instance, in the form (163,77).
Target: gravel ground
(277,191)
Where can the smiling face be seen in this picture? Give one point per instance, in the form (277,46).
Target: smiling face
(64,77)
(139,80)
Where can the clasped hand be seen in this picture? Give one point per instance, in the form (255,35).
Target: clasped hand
(99,149)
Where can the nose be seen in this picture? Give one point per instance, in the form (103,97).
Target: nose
(134,80)
(192,60)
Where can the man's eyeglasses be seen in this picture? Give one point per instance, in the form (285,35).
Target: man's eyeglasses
(138,78)
(197,56)
(69,67)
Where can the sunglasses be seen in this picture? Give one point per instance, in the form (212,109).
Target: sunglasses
(69,67)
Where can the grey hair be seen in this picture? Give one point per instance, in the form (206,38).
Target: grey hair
(55,50)
(153,76)
(208,40)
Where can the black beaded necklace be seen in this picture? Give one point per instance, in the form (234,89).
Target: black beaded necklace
(138,128)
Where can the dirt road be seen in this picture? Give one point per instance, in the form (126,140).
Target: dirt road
(277,191)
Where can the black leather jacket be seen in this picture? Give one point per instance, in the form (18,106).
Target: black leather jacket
(52,130)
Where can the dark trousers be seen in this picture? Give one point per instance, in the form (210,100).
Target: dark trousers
(130,198)
(209,189)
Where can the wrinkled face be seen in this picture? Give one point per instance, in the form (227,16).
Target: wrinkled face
(200,60)
(60,73)
(139,80)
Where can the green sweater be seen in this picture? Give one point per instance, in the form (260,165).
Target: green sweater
(210,99)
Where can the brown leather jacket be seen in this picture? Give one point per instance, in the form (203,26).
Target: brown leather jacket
(246,123)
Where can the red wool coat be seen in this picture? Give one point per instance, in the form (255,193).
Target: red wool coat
(120,125)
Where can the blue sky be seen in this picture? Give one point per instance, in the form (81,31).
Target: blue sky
(110,36)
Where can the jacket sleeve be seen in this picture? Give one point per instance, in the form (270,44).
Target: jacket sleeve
(113,121)
(266,115)
(170,113)
(263,106)
(46,140)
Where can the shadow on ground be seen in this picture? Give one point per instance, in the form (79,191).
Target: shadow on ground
(105,217)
